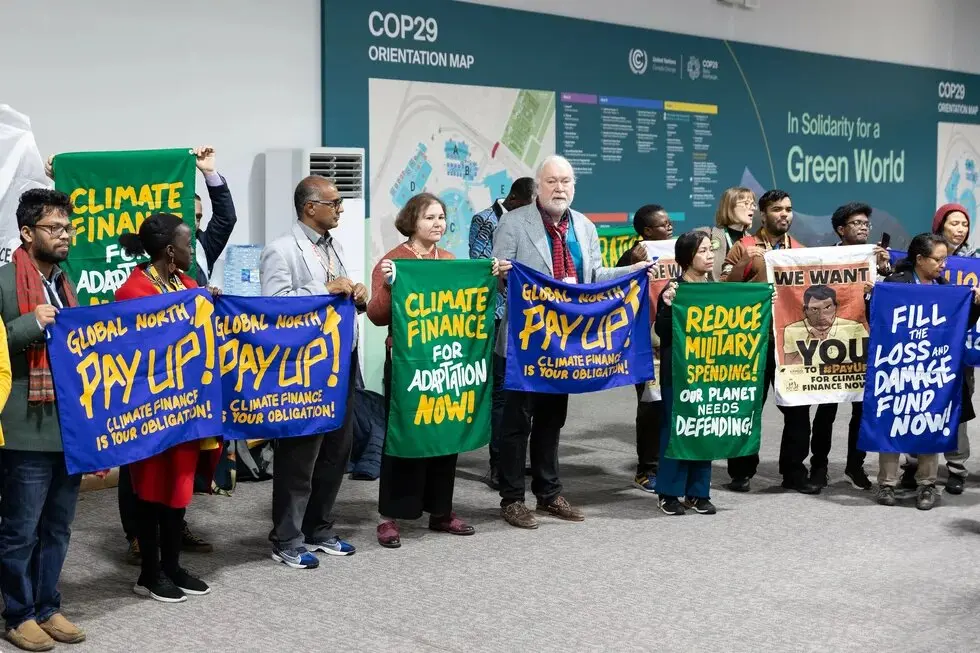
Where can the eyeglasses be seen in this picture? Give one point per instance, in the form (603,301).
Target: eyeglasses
(335,204)
(749,204)
(857,224)
(57,231)
(940,261)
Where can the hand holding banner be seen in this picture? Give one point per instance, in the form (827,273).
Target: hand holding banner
(720,340)
(571,338)
(285,364)
(913,392)
(819,327)
(442,325)
(136,379)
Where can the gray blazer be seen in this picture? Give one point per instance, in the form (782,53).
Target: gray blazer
(289,267)
(521,237)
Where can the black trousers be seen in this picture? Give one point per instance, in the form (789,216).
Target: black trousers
(410,486)
(497,407)
(649,419)
(823,431)
(795,443)
(536,418)
(306,477)
(158,529)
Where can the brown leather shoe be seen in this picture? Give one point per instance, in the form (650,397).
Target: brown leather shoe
(561,509)
(62,630)
(517,514)
(29,637)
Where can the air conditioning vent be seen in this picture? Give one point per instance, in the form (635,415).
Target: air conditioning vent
(347,170)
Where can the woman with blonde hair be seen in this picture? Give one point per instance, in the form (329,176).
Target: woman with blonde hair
(733,219)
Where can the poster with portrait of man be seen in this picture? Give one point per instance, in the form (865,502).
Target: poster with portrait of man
(820,329)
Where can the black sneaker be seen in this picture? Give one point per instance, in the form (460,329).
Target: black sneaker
(926,498)
(160,589)
(671,506)
(819,477)
(886,495)
(803,486)
(702,506)
(859,479)
(188,583)
(739,485)
(194,543)
(954,484)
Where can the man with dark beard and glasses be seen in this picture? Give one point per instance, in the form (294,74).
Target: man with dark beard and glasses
(37,495)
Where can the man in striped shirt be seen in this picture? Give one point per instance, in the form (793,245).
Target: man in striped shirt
(481,246)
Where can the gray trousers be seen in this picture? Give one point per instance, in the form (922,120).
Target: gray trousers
(306,476)
(955,459)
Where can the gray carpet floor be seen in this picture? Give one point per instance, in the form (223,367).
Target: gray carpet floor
(772,571)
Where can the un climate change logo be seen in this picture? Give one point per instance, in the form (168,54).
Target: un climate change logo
(693,67)
(638,61)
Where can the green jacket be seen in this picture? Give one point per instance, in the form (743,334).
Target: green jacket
(25,428)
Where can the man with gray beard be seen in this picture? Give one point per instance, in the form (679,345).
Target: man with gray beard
(547,236)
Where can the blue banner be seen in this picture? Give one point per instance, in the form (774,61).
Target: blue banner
(285,364)
(571,338)
(961,271)
(913,389)
(134,378)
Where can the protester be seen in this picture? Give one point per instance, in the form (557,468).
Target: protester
(746,262)
(550,237)
(164,483)
(924,264)
(952,222)
(651,222)
(411,486)
(308,470)
(210,243)
(37,495)
(681,478)
(733,218)
(482,228)
(852,224)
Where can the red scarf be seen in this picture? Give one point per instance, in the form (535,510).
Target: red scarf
(561,255)
(30,293)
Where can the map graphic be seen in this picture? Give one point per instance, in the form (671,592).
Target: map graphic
(465,144)
(958,148)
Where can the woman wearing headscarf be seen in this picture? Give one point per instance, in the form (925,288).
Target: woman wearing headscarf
(164,483)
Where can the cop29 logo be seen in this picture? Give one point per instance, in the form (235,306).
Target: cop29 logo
(638,61)
(693,67)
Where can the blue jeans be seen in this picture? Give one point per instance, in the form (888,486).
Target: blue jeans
(37,506)
(679,478)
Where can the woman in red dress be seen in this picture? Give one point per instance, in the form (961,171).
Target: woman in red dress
(164,483)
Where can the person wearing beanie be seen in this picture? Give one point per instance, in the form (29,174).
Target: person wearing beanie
(952,222)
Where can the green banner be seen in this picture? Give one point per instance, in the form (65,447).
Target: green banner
(113,192)
(720,340)
(442,332)
(614,241)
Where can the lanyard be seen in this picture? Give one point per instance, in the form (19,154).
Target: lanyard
(325,264)
(52,293)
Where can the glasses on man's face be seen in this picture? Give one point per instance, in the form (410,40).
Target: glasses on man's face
(859,224)
(334,204)
(57,230)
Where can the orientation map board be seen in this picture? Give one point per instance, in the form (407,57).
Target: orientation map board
(448,106)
